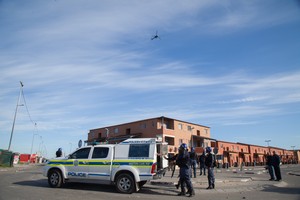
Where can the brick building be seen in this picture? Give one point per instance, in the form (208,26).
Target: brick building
(172,131)
(233,154)
(175,132)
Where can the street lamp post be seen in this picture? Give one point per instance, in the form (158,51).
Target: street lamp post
(13,126)
(267,141)
(293,147)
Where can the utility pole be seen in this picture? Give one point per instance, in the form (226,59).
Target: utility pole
(13,126)
(34,134)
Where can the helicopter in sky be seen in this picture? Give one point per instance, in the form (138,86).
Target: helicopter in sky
(155,36)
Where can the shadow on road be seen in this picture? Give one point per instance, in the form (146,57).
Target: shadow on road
(33,183)
(42,183)
(282,190)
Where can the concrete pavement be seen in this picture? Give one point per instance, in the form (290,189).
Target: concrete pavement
(229,180)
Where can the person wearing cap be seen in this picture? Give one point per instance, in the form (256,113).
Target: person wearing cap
(183,161)
(209,163)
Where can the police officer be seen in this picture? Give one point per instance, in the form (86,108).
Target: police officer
(183,161)
(194,160)
(202,163)
(209,163)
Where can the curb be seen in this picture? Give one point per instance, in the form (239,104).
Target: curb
(293,173)
(166,183)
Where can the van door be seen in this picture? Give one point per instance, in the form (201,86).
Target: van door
(80,167)
(100,163)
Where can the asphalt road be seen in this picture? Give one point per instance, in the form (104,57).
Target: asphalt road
(26,182)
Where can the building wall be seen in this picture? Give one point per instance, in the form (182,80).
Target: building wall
(258,154)
(234,154)
(175,132)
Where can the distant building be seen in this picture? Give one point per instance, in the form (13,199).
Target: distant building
(175,132)
(172,131)
(233,154)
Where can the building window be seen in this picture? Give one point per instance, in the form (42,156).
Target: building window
(189,128)
(169,140)
(116,130)
(143,125)
(198,133)
(206,131)
(180,127)
(221,145)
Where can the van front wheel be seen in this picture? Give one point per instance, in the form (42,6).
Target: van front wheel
(125,184)
(55,179)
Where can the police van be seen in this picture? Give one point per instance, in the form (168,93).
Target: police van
(127,165)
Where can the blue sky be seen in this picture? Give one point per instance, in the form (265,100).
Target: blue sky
(231,65)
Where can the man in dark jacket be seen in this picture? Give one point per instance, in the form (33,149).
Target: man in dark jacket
(269,162)
(276,165)
(59,152)
(202,163)
(209,163)
(194,160)
(183,161)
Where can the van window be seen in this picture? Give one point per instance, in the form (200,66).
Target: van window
(100,152)
(81,154)
(139,150)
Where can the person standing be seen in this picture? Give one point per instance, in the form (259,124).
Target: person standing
(269,163)
(194,160)
(59,152)
(183,161)
(209,163)
(276,165)
(202,163)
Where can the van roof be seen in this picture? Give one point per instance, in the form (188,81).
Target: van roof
(139,140)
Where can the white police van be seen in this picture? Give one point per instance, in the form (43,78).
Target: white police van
(128,165)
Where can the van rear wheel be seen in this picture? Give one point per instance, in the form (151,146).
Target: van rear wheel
(125,183)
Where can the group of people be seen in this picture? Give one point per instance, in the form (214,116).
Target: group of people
(188,161)
(206,161)
(273,165)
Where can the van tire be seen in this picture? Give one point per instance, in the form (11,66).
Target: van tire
(55,179)
(125,183)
